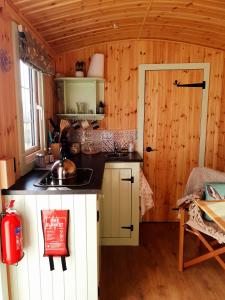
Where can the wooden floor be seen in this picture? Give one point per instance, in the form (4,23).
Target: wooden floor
(149,272)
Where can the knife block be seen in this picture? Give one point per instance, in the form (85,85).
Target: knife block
(7,173)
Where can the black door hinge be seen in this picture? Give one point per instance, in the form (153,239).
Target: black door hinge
(131,179)
(131,227)
(98,216)
(98,291)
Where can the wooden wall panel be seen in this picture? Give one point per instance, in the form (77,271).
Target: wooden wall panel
(121,73)
(8,117)
(49,97)
(8,113)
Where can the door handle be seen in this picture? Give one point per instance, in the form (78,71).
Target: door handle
(131,227)
(131,179)
(149,149)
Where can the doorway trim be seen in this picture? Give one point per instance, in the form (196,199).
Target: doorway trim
(141,101)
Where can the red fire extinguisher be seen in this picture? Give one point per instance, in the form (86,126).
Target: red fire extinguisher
(11,236)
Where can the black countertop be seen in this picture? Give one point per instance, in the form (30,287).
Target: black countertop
(25,185)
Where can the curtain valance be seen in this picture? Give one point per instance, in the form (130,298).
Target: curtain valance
(33,53)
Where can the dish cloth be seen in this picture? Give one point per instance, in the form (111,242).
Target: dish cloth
(146,199)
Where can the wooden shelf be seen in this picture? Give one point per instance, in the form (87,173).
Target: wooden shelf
(80,79)
(97,117)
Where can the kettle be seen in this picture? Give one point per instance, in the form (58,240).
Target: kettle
(63,168)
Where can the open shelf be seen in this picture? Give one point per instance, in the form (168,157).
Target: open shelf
(90,117)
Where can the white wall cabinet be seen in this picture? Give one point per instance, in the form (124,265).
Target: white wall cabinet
(119,218)
(73,91)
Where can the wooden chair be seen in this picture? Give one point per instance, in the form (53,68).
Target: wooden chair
(202,238)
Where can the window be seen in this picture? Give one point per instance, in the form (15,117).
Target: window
(29,105)
(32,114)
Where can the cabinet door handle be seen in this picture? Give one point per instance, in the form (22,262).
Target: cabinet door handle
(131,227)
(131,179)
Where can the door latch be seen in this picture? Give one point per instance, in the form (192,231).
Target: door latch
(131,227)
(131,179)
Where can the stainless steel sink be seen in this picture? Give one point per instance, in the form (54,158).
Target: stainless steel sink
(116,155)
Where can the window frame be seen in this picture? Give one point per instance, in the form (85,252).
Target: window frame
(27,157)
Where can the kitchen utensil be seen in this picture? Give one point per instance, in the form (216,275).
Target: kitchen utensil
(54,125)
(76,124)
(63,169)
(63,124)
(55,148)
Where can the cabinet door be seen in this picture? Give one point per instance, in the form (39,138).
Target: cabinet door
(116,204)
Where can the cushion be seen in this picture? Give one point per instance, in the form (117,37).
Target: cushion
(214,191)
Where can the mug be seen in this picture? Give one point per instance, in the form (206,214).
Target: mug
(84,124)
(94,124)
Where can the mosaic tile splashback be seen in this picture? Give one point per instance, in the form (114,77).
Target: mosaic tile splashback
(105,139)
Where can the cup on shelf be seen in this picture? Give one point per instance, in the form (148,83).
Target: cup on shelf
(82,107)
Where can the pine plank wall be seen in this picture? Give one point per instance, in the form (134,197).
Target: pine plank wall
(8,115)
(121,73)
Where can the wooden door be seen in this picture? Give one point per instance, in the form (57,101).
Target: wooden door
(116,204)
(172,127)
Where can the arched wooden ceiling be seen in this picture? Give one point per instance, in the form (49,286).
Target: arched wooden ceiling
(72,24)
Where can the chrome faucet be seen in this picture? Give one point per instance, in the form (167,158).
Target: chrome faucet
(116,148)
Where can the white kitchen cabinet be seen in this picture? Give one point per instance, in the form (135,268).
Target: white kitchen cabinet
(73,91)
(119,218)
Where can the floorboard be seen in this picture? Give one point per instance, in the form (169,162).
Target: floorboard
(149,272)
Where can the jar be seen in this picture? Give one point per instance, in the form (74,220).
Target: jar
(40,160)
(131,147)
(75,148)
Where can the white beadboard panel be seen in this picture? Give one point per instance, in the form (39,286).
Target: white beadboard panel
(45,274)
(125,202)
(114,214)
(70,274)
(106,205)
(80,246)
(32,246)
(32,278)
(92,244)
(21,277)
(55,202)
(3,270)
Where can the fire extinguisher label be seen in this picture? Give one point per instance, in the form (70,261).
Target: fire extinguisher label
(18,230)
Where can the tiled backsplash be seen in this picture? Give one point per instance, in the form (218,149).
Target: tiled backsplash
(105,139)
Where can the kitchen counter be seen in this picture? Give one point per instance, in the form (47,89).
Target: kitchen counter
(25,185)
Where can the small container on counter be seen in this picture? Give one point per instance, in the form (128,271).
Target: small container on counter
(51,157)
(131,147)
(40,160)
(75,148)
